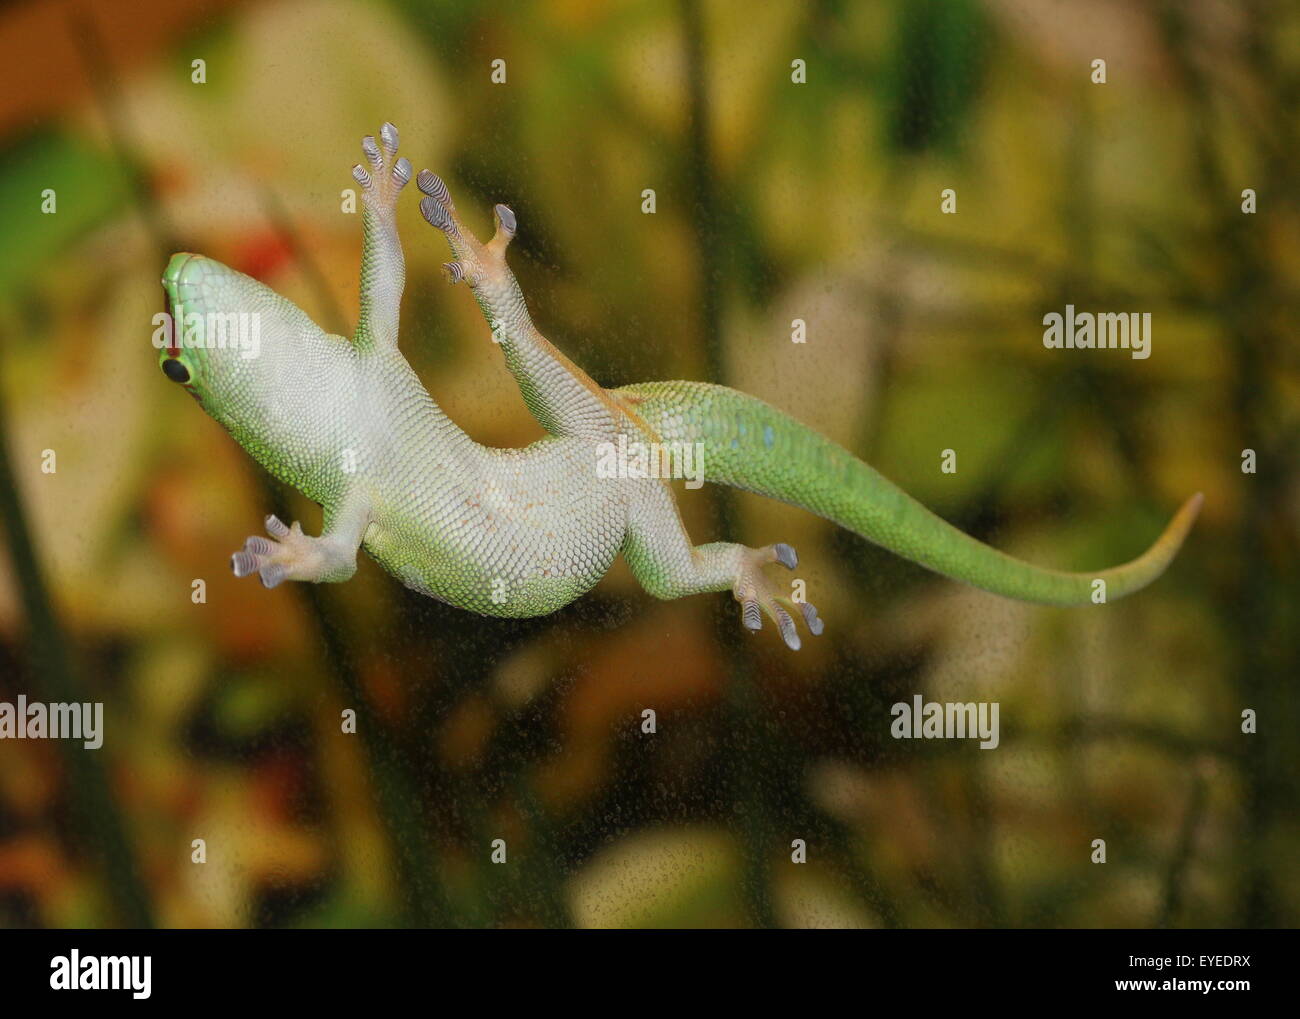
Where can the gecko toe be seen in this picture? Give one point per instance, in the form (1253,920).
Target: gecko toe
(436,215)
(810,617)
(243,563)
(751,617)
(389,136)
(431,184)
(785,624)
(272,574)
(276,527)
(785,555)
(401,173)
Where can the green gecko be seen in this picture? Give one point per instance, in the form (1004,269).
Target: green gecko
(523,532)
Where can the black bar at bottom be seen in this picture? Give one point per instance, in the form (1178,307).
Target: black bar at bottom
(338,968)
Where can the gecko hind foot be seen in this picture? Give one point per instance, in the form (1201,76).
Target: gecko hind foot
(473,257)
(757,595)
(381,185)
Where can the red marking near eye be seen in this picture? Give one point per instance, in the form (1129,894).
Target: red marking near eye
(173,335)
(174,338)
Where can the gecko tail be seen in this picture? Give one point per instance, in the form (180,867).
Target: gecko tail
(749,444)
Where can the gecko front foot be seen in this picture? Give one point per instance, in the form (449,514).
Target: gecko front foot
(386,177)
(287,555)
(757,594)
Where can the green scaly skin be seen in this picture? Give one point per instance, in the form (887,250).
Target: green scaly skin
(523,532)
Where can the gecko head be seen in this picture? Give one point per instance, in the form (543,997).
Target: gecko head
(211,333)
(233,344)
(211,323)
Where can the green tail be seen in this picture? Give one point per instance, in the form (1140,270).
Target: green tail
(751,445)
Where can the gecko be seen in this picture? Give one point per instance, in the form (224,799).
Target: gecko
(513,533)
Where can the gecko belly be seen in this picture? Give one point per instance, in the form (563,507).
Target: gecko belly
(506,545)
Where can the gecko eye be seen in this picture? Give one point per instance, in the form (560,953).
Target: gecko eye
(175,371)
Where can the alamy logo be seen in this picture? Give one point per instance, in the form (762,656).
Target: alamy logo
(1104,331)
(946,720)
(651,460)
(237,330)
(35,720)
(75,972)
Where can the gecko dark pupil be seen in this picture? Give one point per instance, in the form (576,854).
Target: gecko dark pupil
(176,371)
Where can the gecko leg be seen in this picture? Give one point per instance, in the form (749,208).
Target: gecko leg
(383,270)
(562,397)
(665,563)
(288,554)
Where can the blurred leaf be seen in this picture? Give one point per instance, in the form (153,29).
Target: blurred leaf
(933,82)
(88,187)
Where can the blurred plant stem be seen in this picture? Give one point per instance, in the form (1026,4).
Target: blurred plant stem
(90,43)
(399,803)
(54,680)
(1262,628)
(747,756)
(1176,876)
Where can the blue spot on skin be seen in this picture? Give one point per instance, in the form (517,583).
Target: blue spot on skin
(742,427)
(735,443)
(769,437)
